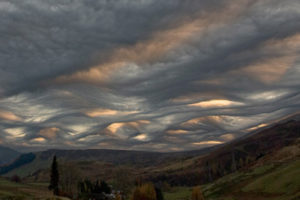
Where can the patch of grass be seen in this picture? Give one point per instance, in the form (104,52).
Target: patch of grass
(176,165)
(18,191)
(262,169)
(178,193)
(285,179)
(268,182)
(29,168)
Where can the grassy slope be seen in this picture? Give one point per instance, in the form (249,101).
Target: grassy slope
(29,168)
(178,193)
(17,191)
(267,182)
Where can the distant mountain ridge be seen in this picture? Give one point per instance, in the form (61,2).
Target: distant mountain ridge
(7,155)
(177,168)
(143,158)
(114,157)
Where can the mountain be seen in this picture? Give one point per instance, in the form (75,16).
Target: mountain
(233,156)
(30,163)
(117,157)
(7,155)
(262,165)
(177,168)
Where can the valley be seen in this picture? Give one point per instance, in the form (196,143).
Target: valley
(264,165)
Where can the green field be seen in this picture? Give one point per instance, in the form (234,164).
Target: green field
(30,191)
(268,182)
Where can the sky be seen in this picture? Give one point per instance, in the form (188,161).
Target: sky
(148,75)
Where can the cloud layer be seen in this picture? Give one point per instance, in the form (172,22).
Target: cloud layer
(145,75)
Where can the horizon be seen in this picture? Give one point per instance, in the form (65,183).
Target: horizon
(153,76)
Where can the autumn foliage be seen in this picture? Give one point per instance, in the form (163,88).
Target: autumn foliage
(197,193)
(144,192)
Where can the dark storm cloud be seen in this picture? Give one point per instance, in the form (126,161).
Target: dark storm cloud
(147,75)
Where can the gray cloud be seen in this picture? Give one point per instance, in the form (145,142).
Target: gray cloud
(147,75)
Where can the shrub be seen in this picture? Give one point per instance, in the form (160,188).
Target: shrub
(16,179)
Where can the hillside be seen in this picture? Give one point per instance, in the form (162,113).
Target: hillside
(273,177)
(7,155)
(263,165)
(178,169)
(95,158)
(25,191)
(231,157)
(276,176)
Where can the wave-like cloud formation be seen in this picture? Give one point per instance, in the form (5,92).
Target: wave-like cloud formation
(146,75)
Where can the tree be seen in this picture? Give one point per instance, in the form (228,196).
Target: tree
(68,179)
(159,194)
(197,193)
(15,178)
(93,190)
(209,170)
(123,180)
(144,192)
(233,163)
(54,177)
(118,197)
(241,163)
(105,188)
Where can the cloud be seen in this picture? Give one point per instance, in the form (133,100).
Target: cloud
(157,46)
(145,75)
(6,115)
(106,112)
(178,131)
(38,140)
(215,103)
(49,133)
(141,137)
(207,143)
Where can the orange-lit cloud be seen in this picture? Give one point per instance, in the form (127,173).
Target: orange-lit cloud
(227,137)
(141,137)
(159,44)
(106,112)
(176,132)
(38,139)
(272,69)
(257,127)
(6,115)
(210,142)
(196,121)
(114,127)
(215,103)
(49,133)
(289,44)
(195,96)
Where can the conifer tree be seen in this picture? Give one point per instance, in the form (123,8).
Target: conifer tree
(54,177)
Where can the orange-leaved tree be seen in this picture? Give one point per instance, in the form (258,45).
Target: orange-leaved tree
(144,192)
(197,193)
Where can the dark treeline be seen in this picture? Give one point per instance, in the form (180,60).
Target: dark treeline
(65,181)
(94,190)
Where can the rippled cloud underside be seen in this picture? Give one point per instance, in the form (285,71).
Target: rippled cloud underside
(145,75)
